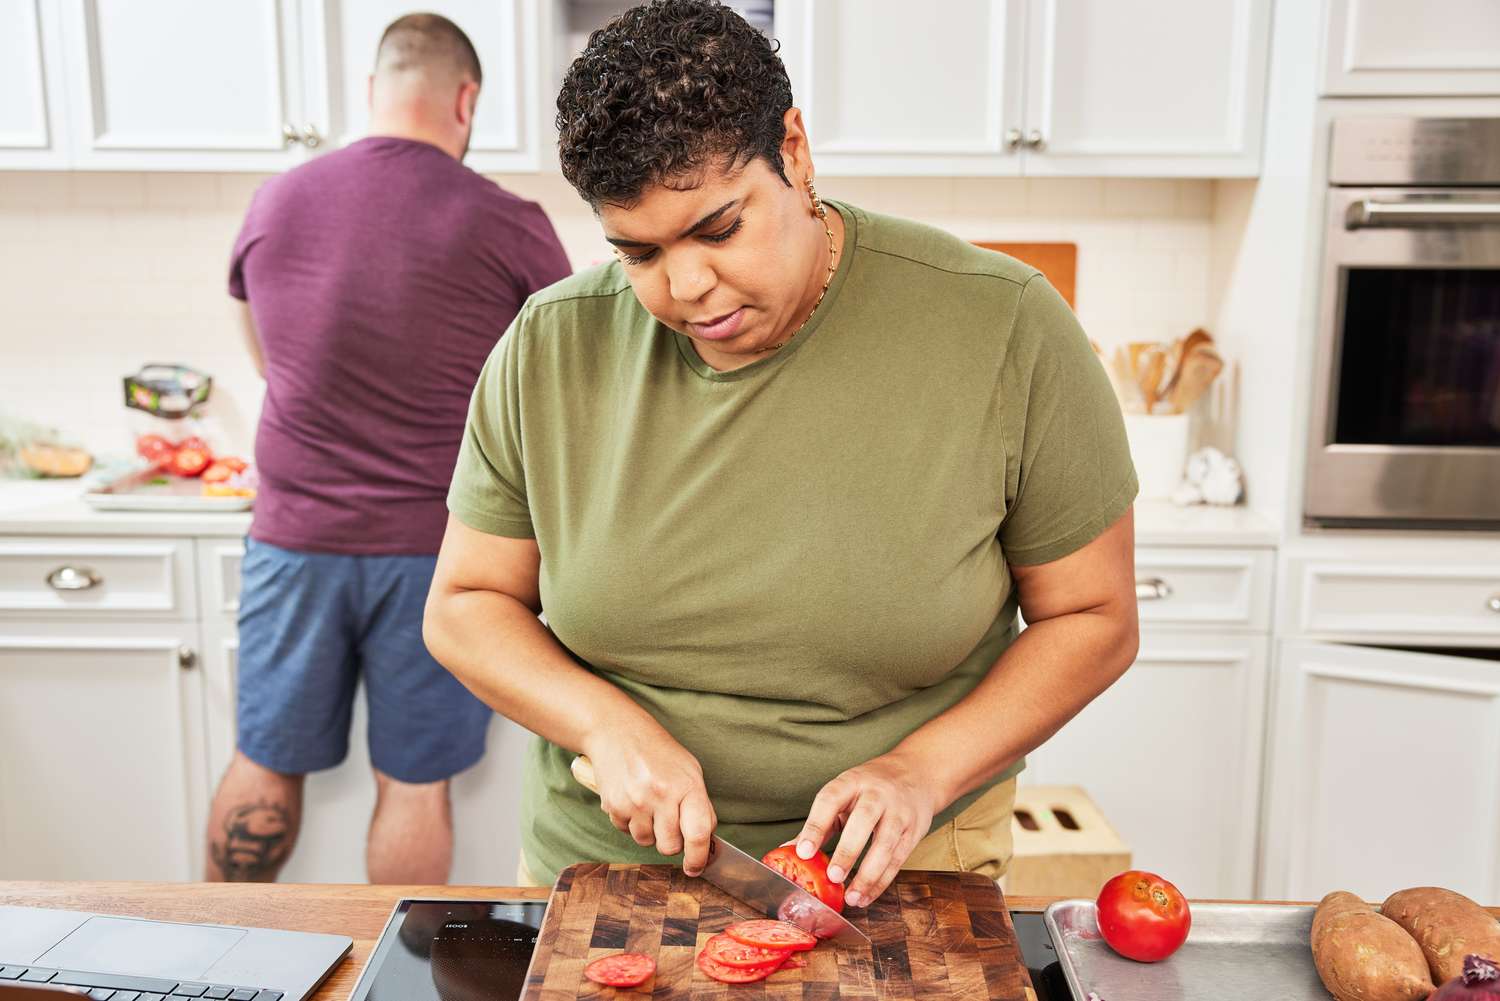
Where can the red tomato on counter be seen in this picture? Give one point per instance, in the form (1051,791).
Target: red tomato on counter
(1142,916)
(811,874)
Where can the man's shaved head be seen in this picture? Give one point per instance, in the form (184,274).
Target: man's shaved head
(429,45)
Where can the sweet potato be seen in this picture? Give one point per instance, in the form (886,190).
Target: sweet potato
(1363,956)
(1447,925)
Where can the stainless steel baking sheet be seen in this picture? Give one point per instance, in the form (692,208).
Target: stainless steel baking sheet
(1233,952)
(148,490)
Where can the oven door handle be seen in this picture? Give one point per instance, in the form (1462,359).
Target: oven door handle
(1367,212)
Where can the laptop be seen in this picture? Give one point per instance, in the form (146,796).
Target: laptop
(133,959)
(452,950)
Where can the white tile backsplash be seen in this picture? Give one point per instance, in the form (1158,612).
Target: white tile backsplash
(102,272)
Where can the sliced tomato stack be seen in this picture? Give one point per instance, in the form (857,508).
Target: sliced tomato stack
(753,950)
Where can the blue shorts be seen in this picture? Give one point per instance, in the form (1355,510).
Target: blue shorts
(311,626)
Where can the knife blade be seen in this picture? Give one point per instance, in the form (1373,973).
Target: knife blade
(748,879)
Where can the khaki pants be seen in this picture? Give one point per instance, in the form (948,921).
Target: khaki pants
(977,840)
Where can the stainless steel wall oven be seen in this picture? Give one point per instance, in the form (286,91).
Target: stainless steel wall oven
(1406,403)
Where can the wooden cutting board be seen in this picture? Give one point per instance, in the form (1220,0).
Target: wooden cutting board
(933,935)
(1058,261)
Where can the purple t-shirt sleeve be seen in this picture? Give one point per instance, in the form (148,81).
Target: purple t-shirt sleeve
(250,233)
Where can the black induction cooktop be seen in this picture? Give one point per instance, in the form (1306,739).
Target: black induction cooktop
(1040,957)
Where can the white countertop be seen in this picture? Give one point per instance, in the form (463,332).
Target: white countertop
(54,507)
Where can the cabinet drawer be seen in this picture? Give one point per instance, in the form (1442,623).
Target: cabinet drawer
(1440,604)
(1217,588)
(219,569)
(136,577)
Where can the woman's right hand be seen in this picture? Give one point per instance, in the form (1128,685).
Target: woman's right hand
(652,788)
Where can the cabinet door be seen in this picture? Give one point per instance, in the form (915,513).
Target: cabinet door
(1384,773)
(504,33)
(1171,755)
(1395,47)
(887,88)
(1174,88)
(102,771)
(32,132)
(184,85)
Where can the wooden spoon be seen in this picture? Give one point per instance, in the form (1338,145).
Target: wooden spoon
(1180,351)
(1199,369)
(1153,363)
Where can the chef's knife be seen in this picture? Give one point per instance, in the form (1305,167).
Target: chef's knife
(747,878)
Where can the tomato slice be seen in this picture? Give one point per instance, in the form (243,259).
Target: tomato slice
(623,969)
(809,873)
(733,974)
(768,934)
(187,462)
(727,952)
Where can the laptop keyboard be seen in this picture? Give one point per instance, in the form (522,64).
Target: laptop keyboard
(107,987)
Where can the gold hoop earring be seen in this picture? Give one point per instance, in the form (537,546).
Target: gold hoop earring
(817,203)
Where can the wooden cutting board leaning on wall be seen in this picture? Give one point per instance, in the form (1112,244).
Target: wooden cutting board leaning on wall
(933,934)
(1058,261)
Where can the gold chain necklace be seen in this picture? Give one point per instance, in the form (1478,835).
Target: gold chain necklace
(827,280)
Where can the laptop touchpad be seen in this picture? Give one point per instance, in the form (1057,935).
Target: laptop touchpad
(141,948)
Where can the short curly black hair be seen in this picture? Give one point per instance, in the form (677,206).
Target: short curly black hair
(662,92)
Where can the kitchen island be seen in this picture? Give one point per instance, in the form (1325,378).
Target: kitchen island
(356,910)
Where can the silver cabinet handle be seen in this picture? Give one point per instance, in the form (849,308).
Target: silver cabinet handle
(1034,140)
(310,137)
(187,657)
(289,134)
(1154,589)
(1013,139)
(73,579)
(1494,603)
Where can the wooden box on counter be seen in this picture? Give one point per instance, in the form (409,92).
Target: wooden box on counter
(1063,845)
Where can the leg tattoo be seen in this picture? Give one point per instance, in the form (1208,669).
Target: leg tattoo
(255,844)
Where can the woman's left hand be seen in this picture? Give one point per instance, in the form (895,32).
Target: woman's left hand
(887,803)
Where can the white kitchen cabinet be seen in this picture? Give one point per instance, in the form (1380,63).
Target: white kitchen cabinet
(504,32)
(185,85)
(1171,754)
(1167,89)
(1384,772)
(1394,601)
(889,89)
(1398,48)
(102,771)
(1035,87)
(33,127)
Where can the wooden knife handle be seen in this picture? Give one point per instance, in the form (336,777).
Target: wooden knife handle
(583,771)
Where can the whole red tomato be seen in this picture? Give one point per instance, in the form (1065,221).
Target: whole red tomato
(154,449)
(1142,916)
(809,873)
(196,444)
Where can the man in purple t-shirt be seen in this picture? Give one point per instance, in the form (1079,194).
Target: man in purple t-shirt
(378,278)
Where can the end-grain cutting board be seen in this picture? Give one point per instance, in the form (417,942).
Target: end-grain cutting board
(933,935)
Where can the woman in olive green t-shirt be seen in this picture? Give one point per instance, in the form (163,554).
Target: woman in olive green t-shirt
(781,477)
